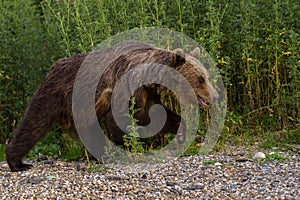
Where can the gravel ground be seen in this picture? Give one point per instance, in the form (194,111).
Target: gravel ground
(230,174)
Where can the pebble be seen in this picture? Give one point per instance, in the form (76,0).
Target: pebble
(243,159)
(259,155)
(181,178)
(218,164)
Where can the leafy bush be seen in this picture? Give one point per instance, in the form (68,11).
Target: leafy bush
(24,58)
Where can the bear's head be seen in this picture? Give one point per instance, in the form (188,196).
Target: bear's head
(196,74)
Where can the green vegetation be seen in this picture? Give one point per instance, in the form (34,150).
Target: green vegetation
(58,145)
(95,168)
(255,45)
(272,157)
(132,145)
(192,150)
(2,152)
(131,141)
(210,162)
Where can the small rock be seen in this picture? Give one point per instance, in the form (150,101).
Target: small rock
(237,153)
(34,180)
(48,162)
(169,183)
(259,155)
(50,177)
(244,179)
(117,178)
(229,166)
(3,165)
(80,166)
(176,187)
(265,168)
(243,159)
(195,187)
(144,176)
(218,164)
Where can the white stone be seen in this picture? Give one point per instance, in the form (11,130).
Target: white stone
(259,155)
(218,164)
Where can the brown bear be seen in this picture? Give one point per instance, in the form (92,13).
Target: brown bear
(52,102)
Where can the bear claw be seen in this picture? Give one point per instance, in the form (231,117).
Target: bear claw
(21,167)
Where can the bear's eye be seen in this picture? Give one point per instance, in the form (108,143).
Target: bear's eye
(201,80)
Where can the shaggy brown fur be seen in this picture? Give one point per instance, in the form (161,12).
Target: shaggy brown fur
(52,102)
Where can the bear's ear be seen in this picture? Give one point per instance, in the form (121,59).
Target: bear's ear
(196,53)
(178,57)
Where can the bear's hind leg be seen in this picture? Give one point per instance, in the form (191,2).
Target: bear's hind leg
(19,146)
(32,129)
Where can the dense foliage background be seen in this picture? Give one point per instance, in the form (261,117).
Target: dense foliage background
(256,45)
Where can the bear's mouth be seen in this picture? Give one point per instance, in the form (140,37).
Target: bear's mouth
(203,102)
